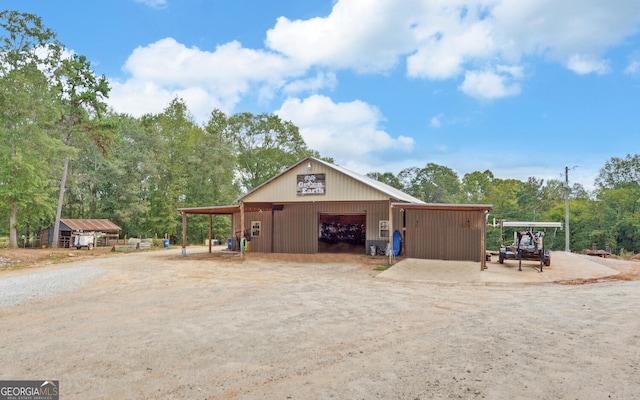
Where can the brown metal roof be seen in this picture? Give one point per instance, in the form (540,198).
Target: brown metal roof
(211,210)
(439,206)
(233,209)
(97,225)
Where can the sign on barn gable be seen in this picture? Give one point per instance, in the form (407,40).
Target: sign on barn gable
(311,184)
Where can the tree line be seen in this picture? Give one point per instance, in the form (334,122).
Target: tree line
(609,216)
(64,154)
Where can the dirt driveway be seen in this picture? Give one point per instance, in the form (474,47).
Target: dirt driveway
(157,326)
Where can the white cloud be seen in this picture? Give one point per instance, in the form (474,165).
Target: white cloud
(633,68)
(154,3)
(562,29)
(446,42)
(137,97)
(435,121)
(167,69)
(482,42)
(488,85)
(344,131)
(443,39)
(359,34)
(584,65)
(312,84)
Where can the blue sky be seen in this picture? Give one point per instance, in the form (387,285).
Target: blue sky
(520,87)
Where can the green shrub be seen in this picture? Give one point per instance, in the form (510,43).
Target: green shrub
(626,254)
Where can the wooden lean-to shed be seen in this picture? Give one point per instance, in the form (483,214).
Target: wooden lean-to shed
(315,207)
(68,228)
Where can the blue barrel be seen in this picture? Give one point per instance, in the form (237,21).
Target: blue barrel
(165,243)
(229,244)
(397,243)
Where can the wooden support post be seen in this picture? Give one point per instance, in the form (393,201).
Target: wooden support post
(210,230)
(390,247)
(184,234)
(241,228)
(483,244)
(272,226)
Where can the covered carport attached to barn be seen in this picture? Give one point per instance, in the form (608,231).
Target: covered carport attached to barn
(445,231)
(210,211)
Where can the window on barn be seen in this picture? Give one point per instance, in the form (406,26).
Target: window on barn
(384,229)
(256,227)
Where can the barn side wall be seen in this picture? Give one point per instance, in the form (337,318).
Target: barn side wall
(444,235)
(295,228)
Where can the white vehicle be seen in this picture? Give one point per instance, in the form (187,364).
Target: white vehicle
(82,239)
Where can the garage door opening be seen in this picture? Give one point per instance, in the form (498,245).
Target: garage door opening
(342,233)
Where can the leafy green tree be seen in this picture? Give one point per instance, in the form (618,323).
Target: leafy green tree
(82,101)
(25,41)
(173,136)
(27,49)
(213,179)
(109,184)
(28,150)
(530,199)
(264,145)
(121,180)
(617,171)
(387,178)
(618,194)
(408,178)
(433,184)
(503,196)
(476,186)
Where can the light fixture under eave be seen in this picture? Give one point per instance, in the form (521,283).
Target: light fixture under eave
(309,165)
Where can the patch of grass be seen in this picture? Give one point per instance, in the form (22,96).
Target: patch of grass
(382,267)
(626,254)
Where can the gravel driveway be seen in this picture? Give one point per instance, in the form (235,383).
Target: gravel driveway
(154,325)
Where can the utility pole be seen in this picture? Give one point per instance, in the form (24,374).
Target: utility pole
(567,248)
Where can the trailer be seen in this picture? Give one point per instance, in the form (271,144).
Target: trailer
(84,239)
(527,244)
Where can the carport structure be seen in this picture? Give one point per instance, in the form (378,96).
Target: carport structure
(210,211)
(316,207)
(445,231)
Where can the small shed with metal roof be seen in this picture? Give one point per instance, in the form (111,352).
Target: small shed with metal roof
(315,207)
(68,227)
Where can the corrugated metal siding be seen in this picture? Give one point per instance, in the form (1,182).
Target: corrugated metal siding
(444,235)
(430,234)
(339,187)
(262,243)
(296,227)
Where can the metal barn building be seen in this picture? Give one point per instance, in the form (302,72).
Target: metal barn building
(315,207)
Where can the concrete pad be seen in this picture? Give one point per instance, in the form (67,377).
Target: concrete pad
(412,269)
(564,267)
(568,266)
